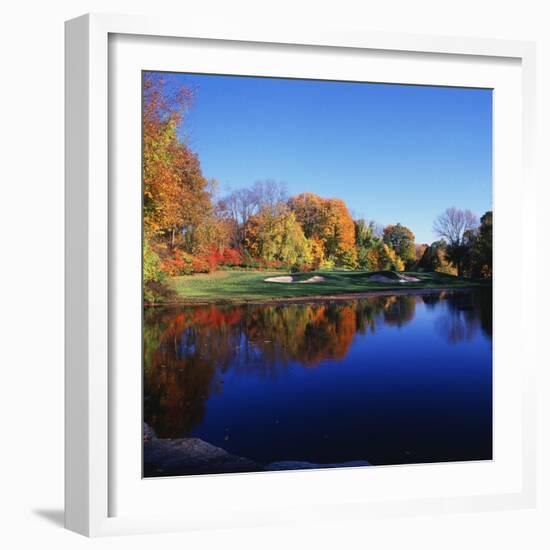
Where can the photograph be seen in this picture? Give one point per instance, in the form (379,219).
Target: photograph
(317,267)
(265,241)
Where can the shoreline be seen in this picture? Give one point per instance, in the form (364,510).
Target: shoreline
(195,456)
(316,298)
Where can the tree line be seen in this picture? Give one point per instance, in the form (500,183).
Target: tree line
(190,228)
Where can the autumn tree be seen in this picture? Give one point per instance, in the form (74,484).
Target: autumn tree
(455,227)
(338,233)
(435,259)
(160,179)
(317,252)
(242,204)
(307,208)
(401,240)
(275,234)
(329,221)
(175,194)
(193,205)
(389,259)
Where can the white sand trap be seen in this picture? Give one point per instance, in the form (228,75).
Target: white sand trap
(285,279)
(409,279)
(289,279)
(401,279)
(314,279)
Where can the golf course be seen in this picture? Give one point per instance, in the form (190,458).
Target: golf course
(251,286)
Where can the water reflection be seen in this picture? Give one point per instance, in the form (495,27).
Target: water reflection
(189,350)
(465,315)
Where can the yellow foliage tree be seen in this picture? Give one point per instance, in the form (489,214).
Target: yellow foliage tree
(275,234)
(329,221)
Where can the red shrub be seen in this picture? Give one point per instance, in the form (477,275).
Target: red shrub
(202,265)
(230,256)
(179,263)
(215,257)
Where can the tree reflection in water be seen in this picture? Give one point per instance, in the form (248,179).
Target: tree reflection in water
(188,349)
(467,313)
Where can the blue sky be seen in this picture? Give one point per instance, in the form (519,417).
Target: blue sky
(393,153)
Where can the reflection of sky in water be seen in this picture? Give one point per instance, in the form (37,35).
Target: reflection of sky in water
(394,379)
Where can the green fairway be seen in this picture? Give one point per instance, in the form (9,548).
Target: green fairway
(244,286)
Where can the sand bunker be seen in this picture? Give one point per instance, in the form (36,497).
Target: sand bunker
(400,279)
(378,277)
(289,279)
(285,279)
(314,279)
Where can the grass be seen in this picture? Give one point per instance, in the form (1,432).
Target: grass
(248,286)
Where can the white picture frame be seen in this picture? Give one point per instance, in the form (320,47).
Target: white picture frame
(93,398)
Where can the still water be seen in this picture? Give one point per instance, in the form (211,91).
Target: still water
(388,379)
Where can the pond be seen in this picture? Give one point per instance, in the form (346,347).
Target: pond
(394,379)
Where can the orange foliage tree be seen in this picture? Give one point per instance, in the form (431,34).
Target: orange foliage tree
(175,193)
(328,221)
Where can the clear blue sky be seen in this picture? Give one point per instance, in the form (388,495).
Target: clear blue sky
(393,153)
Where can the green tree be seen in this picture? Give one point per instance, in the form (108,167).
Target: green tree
(401,239)
(482,248)
(368,245)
